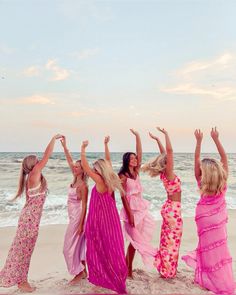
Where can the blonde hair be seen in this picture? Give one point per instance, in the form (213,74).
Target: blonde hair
(213,178)
(26,167)
(84,174)
(111,179)
(155,166)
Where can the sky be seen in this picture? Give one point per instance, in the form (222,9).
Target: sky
(88,69)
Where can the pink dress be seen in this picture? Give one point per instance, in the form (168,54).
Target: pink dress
(211,260)
(74,244)
(17,264)
(141,234)
(166,260)
(105,243)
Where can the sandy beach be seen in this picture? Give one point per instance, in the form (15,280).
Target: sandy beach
(49,274)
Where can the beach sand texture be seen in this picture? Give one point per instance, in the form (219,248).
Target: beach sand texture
(49,274)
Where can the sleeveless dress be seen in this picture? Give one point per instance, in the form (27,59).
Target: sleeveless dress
(74,244)
(211,260)
(105,244)
(17,264)
(141,234)
(166,259)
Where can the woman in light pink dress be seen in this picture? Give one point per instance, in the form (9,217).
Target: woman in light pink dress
(211,260)
(105,243)
(15,271)
(166,259)
(74,242)
(139,225)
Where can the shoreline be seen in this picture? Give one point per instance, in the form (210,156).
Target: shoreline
(48,269)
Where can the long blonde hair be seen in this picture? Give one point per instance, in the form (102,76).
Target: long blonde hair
(26,167)
(84,176)
(111,179)
(213,178)
(155,166)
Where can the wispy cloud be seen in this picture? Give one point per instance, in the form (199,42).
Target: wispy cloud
(51,68)
(58,72)
(86,53)
(36,99)
(32,71)
(215,78)
(29,100)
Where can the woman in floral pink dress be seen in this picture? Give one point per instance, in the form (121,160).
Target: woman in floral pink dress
(166,260)
(15,271)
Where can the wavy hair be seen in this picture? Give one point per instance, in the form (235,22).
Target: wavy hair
(155,166)
(27,166)
(213,178)
(111,179)
(84,174)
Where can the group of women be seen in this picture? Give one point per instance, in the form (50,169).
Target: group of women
(94,243)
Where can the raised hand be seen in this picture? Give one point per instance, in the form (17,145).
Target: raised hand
(58,136)
(198,134)
(134,132)
(107,139)
(162,130)
(85,144)
(63,141)
(153,136)
(214,133)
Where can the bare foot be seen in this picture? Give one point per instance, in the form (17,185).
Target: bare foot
(78,278)
(25,287)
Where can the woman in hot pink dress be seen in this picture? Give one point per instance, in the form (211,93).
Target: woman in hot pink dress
(15,271)
(74,242)
(139,225)
(105,244)
(211,260)
(166,259)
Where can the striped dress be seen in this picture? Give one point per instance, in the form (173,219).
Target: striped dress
(105,244)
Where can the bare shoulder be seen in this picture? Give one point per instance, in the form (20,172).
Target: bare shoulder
(83,188)
(123,178)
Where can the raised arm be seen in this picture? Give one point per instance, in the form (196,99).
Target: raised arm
(224,159)
(197,161)
(160,146)
(169,155)
(138,147)
(107,152)
(97,178)
(48,152)
(67,154)
(84,195)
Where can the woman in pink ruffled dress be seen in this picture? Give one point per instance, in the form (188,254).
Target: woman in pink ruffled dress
(139,225)
(74,241)
(15,271)
(166,259)
(211,260)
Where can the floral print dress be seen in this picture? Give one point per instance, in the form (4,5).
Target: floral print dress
(17,264)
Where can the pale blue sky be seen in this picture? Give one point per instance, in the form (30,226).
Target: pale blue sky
(92,68)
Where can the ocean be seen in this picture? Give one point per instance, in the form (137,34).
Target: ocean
(59,178)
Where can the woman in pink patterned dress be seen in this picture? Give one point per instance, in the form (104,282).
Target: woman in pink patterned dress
(166,259)
(211,260)
(139,225)
(15,271)
(74,241)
